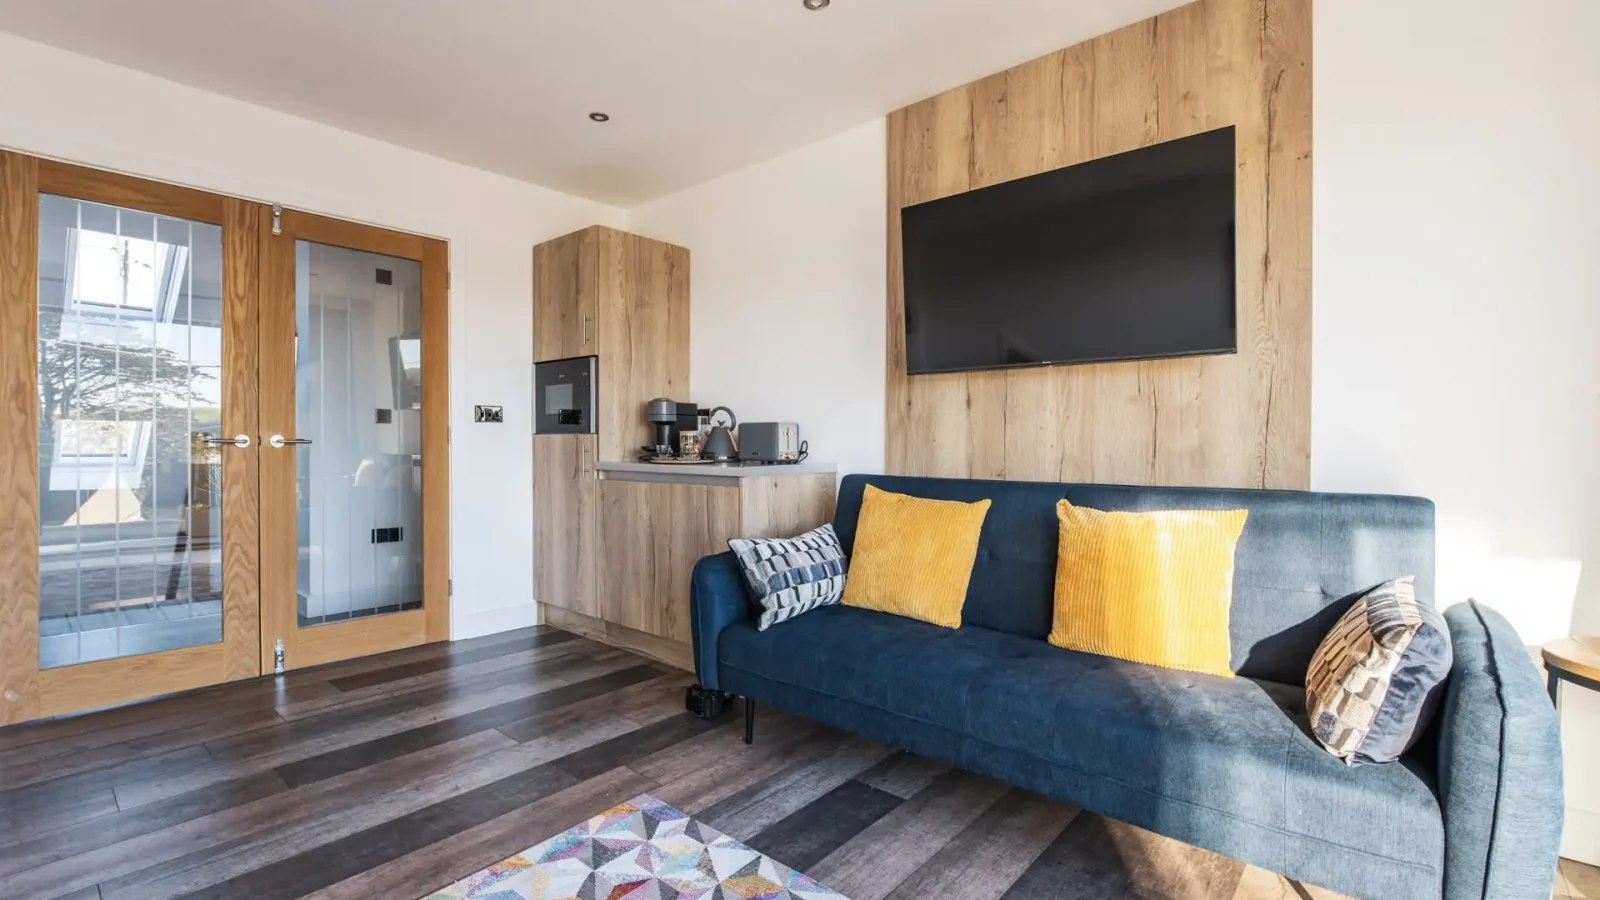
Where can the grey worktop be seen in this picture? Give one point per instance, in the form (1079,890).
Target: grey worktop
(714,473)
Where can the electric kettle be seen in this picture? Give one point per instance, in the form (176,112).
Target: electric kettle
(719,443)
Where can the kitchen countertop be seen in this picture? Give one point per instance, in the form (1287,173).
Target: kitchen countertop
(728,474)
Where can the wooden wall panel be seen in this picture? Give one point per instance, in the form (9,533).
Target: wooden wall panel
(1241,420)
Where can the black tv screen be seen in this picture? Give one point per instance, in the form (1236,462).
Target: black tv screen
(1125,257)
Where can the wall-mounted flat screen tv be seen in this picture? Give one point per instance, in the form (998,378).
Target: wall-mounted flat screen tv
(1126,257)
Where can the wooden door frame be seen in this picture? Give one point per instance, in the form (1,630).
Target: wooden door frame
(279,543)
(26,692)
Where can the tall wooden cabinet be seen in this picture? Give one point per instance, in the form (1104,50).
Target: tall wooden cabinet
(624,299)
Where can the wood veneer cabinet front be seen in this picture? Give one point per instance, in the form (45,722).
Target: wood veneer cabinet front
(566,502)
(652,534)
(625,299)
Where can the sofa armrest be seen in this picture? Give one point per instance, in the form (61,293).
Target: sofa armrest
(717,599)
(1499,765)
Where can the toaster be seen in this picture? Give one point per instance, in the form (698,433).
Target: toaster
(769,442)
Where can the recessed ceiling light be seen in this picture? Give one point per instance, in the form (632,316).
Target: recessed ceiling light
(599,117)
(815,5)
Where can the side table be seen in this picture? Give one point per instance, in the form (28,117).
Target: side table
(1575,660)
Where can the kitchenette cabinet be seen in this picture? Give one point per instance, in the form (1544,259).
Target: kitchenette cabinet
(656,522)
(616,540)
(566,524)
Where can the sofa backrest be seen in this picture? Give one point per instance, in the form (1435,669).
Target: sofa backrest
(1302,560)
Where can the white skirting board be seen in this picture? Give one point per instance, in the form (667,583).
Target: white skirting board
(466,624)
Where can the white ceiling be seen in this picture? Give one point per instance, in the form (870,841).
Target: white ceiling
(695,88)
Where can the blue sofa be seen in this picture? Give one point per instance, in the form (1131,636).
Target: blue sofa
(1474,811)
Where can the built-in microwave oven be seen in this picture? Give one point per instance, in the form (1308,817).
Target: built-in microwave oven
(564,396)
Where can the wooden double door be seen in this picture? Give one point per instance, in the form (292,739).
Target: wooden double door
(223,439)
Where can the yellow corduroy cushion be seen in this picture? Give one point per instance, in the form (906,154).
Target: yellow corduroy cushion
(913,557)
(1149,587)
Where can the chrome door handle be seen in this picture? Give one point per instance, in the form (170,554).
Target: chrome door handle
(279,440)
(241,440)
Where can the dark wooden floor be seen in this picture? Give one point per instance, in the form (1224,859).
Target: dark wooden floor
(392,776)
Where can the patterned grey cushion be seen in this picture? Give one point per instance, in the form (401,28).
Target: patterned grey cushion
(1378,676)
(787,577)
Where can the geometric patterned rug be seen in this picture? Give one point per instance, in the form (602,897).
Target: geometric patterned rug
(641,850)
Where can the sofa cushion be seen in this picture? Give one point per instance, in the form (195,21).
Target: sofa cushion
(1301,561)
(788,576)
(1378,676)
(1237,747)
(913,556)
(1151,587)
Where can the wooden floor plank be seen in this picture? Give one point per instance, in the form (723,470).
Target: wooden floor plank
(20,774)
(875,862)
(290,751)
(804,838)
(477,848)
(501,687)
(773,799)
(725,771)
(38,848)
(1001,843)
(376,752)
(194,837)
(303,833)
(331,861)
(39,798)
(465,657)
(1095,858)
(450,674)
(904,774)
(396,775)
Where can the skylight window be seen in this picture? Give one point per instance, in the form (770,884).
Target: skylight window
(124,272)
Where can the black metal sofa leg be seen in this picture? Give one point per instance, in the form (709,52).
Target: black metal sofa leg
(749,721)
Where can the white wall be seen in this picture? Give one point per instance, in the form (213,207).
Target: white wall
(787,274)
(1457,302)
(86,111)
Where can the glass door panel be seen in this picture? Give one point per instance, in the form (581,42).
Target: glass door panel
(354,467)
(358,404)
(129,392)
(128,513)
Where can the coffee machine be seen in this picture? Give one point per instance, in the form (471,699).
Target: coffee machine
(670,419)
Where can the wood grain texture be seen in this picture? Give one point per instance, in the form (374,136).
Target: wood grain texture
(782,506)
(241,485)
(114,189)
(1580,656)
(405,817)
(651,536)
(436,440)
(566,521)
(355,235)
(676,654)
(564,278)
(117,681)
(19,452)
(642,320)
(1233,421)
